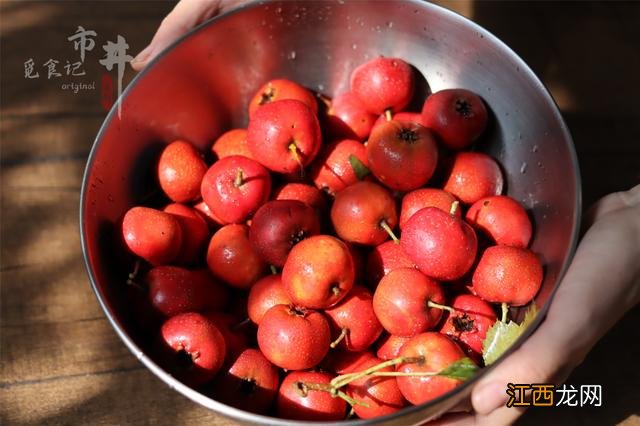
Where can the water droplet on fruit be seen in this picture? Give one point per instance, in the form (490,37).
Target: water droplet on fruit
(523,168)
(390,24)
(292,54)
(279,10)
(354,46)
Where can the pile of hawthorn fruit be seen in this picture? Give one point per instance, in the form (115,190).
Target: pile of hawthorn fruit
(338,256)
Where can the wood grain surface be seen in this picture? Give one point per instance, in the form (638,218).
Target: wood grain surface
(61,361)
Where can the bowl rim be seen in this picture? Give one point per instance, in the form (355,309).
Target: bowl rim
(245,416)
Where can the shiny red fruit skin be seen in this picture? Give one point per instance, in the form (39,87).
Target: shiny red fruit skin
(472,176)
(180,171)
(383,83)
(279,225)
(348,118)
(458,117)
(293,338)
(199,337)
(358,211)
(277,125)
(267,292)
(195,232)
(468,326)
(174,290)
(381,394)
(280,89)
(502,219)
(402,154)
(231,203)
(232,142)
(385,258)
(507,274)
(390,345)
(414,117)
(232,259)
(308,194)
(153,235)
(419,199)
(331,171)
(212,220)
(443,246)
(313,405)
(251,382)
(439,352)
(319,272)
(355,313)
(400,302)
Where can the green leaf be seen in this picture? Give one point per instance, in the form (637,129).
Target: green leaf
(502,335)
(358,167)
(462,369)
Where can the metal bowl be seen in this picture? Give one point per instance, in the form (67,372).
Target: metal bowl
(193,90)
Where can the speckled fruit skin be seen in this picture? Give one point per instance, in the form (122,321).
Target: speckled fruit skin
(279,225)
(174,290)
(385,258)
(195,232)
(201,340)
(230,202)
(251,383)
(313,405)
(348,117)
(502,219)
(277,125)
(509,275)
(413,117)
(358,211)
(443,246)
(319,272)
(472,176)
(280,89)
(308,194)
(438,352)
(402,154)
(381,394)
(294,338)
(458,117)
(180,171)
(236,340)
(267,292)
(331,171)
(400,302)
(233,142)
(468,326)
(153,235)
(232,259)
(355,313)
(422,198)
(389,346)
(383,83)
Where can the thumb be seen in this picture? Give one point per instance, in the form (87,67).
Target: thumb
(185,15)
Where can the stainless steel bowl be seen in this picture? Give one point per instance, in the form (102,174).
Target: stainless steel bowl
(193,89)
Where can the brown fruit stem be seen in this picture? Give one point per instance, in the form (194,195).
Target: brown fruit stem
(345,379)
(239,181)
(432,304)
(240,324)
(296,156)
(384,225)
(454,207)
(388,115)
(133,275)
(505,312)
(339,339)
(274,271)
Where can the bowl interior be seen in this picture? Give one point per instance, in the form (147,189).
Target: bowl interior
(201,86)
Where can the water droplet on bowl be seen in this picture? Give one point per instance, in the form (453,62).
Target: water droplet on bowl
(390,24)
(292,54)
(523,168)
(534,148)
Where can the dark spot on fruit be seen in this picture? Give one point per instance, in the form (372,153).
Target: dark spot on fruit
(335,289)
(267,96)
(486,203)
(298,236)
(463,107)
(462,323)
(184,360)
(301,388)
(248,386)
(294,310)
(407,135)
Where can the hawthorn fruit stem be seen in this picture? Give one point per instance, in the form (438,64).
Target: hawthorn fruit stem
(239,181)
(240,324)
(454,207)
(274,271)
(293,148)
(384,225)
(345,379)
(339,339)
(133,275)
(388,115)
(432,304)
(505,312)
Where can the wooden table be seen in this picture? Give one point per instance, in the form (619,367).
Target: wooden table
(61,361)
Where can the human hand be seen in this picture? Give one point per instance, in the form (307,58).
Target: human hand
(186,15)
(602,283)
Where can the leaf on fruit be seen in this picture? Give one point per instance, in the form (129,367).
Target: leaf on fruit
(358,167)
(502,335)
(462,369)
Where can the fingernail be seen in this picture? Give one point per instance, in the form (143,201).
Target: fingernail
(488,397)
(143,55)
